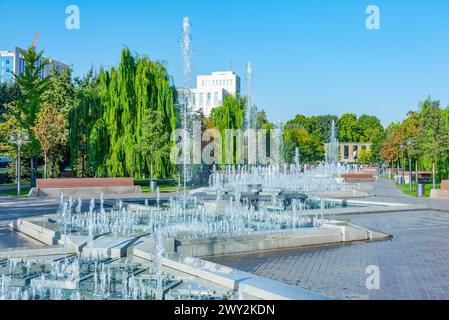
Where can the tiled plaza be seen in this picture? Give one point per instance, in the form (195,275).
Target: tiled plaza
(414,265)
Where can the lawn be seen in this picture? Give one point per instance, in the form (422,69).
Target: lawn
(406,189)
(165,186)
(13,192)
(163,189)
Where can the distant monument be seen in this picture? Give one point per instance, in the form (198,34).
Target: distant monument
(333,147)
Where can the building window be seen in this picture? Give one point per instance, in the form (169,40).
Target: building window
(209,98)
(201,99)
(216,102)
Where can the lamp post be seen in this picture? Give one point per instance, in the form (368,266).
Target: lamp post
(402,146)
(19,139)
(409,146)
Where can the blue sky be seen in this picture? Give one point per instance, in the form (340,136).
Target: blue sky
(309,57)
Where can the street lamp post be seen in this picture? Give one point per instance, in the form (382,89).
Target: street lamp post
(409,146)
(19,139)
(402,146)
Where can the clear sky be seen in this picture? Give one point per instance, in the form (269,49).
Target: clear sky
(309,57)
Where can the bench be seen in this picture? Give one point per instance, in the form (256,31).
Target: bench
(424,177)
(358,177)
(90,187)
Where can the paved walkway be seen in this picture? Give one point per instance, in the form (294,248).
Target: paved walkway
(386,191)
(414,265)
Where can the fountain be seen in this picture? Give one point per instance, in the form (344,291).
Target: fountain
(134,251)
(333,147)
(250,108)
(297,160)
(249,205)
(185,103)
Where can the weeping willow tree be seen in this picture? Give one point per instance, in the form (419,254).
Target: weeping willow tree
(82,120)
(229,116)
(108,119)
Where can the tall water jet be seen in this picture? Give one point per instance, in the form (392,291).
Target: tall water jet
(249,114)
(281,151)
(187,62)
(333,147)
(297,160)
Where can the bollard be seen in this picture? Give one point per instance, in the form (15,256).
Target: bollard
(420,190)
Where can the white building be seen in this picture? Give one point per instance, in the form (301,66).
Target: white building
(12,63)
(211,90)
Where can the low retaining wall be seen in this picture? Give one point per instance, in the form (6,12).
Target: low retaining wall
(244,282)
(330,234)
(84,183)
(85,192)
(442,193)
(85,187)
(439,194)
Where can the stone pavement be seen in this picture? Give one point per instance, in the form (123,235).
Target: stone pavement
(413,265)
(386,191)
(10,239)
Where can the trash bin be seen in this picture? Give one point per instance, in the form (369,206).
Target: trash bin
(153,185)
(420,190)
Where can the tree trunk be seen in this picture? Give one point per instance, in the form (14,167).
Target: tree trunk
(152,172)
(32,173)
(399,169)
(416,173)
(434,174)
(45,166)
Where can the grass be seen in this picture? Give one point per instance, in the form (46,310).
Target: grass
(163,189)
(164,186)
(406,189)
(12,193)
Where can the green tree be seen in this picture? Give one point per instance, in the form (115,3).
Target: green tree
(262,121)
(82,117)
(390,151)
(154,144)
(229,116)
(366,157)
(349,128)
(27,104)
(302,122)
(370,127)
(9,92)
(32,87)
(112,108)
(324,127)
(310,149)
(8,125)
(49,130)
(432,134)
(60,90)
(60,94)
